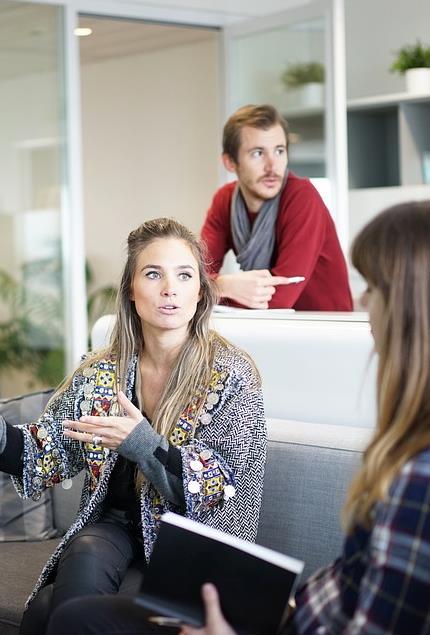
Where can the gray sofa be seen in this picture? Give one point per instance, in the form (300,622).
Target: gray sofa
(308,470)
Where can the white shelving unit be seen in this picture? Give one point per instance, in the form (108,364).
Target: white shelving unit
(386,100)
(307,154)
(388,156)
(389,141)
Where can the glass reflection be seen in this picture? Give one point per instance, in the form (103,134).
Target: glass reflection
(31,286)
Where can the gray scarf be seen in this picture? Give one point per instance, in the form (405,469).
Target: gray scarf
(254,247)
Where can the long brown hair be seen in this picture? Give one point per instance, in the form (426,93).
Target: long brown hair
(393,254)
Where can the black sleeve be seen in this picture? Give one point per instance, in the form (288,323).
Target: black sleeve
(171,459)
(11,458)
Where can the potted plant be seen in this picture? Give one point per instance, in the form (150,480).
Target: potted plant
(413,61)
(31,323)
(305,84)
(31,337)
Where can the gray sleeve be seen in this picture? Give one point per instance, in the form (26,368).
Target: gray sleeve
(150,451)
(2,434)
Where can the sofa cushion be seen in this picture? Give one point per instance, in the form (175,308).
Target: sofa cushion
(26,408)
(309,467)
(21,564)
(24,519)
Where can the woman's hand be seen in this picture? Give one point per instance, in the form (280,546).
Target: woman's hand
(109,432)
(215,622)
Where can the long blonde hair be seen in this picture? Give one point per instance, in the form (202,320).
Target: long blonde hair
(194,363)
(393,254)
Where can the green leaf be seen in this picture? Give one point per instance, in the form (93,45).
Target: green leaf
(411,56)
(299,74)
(50,367)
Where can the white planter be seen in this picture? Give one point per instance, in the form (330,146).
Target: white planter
(418,80)
(309,95)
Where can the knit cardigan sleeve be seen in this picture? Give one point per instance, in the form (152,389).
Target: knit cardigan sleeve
(48,456)
(225,492)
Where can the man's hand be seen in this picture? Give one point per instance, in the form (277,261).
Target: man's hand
(253,289)
(215,622)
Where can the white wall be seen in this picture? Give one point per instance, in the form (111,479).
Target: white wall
(151,140)
(367,203)
(260,59)
(375,30)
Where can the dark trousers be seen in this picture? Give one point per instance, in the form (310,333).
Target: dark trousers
(117,615)
(94,563)
(103,615)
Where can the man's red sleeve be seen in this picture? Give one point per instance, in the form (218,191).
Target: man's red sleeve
(301,234)
(216,232)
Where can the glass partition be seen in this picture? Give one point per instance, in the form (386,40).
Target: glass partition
(32,339)
(283,63)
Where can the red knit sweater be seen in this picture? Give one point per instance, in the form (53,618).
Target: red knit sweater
(306,245)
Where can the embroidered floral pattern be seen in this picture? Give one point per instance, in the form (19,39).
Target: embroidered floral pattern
(207,482)
(223,463)
(100,399)
(49,465)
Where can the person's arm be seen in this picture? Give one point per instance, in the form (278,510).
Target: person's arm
(158,459)
(48,457)
(233,445)
(11,449)
(252,289)
(216,233)
(232,441)
(302,234)
(394,592)
(221,467)
(132,436)
(215,623)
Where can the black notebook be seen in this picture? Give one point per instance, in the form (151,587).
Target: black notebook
(254,583)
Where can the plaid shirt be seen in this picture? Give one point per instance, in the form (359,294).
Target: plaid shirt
(381,583)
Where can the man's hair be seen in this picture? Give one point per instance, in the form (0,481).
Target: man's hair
(262,117)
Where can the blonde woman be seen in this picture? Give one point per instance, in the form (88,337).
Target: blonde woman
(381,583)
(168,417)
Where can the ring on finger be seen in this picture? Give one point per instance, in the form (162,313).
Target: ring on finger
(97,441)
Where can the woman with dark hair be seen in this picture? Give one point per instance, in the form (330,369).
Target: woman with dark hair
(381,583)
(168,417)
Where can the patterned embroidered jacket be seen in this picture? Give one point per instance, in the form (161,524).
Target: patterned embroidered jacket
(228,439)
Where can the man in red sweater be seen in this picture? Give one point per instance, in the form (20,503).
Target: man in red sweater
(276,223)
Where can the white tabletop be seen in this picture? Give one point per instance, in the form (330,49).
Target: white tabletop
(221,311)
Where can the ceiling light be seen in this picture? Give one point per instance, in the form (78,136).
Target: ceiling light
(82,31)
